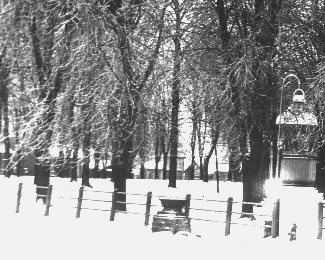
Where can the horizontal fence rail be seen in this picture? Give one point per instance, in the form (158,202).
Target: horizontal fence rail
(116,203)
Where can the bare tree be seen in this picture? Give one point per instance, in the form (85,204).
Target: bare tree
(50,80)
(125,20)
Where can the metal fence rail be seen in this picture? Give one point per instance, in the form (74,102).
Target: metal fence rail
(227,204)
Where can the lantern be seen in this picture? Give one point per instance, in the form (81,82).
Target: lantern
(299,100)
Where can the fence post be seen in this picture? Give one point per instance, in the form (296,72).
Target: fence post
(114,195)
(20,186)
(275,219)
(48,200)
(187,205)
(148,205)
(320,220)
(81,192)
(228,215)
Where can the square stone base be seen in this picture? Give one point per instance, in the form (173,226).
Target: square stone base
(172,223)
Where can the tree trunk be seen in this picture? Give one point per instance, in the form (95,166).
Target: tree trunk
(122,157)
(85,173)
(4,108)
(97,161)
(235,156)
(208,156)
(156,169)
(201,167)
(233,159)
(192,169)
(254,171)
(248,179)
(320,163)
(121,169)
(317,29)
(274,147)
(193,144)
(74,165)
(19,166)
(157,153)
(142,171)
(206,169)
(19,155)
(165,160)
(320,170)
(217,177)
(42,173)
(175,97)
(86,158)
(60,165)
(67,163)
(174,128)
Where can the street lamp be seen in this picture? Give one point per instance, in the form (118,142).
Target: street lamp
(279,157)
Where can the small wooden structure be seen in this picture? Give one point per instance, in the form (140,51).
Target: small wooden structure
(298,169)
(298,161)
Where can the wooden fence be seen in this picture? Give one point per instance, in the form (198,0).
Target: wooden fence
(272,225)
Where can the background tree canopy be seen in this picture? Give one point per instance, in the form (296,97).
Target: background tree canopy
(111,78)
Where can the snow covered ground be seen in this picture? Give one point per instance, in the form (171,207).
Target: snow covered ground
(31,235)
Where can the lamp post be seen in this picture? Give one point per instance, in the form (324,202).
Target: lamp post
(280,151)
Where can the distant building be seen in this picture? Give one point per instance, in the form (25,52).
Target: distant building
(223,169)
(183,169)
(151,165)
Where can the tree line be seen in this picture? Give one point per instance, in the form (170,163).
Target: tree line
(111,77)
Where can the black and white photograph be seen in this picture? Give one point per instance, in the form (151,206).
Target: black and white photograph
(162,129)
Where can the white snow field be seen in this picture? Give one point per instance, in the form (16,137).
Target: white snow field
(31,235)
